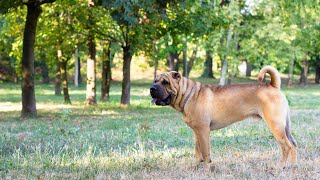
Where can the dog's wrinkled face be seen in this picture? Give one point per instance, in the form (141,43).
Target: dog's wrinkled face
(164,88)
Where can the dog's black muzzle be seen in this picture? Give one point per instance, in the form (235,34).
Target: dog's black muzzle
(158,95)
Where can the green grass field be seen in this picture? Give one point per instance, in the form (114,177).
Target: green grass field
(144,141)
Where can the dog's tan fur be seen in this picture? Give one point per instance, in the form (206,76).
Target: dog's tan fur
(210,107)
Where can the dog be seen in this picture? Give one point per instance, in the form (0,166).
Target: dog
(210,107)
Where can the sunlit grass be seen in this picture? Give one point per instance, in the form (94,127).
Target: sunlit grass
(144,141)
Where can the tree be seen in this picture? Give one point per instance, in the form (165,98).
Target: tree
(58,30)
(207,72)
(77,68)
(91,59)
(33,12)
(106,71)
(136,22)
(63,61)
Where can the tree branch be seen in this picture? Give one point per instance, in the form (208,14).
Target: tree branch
(47,1)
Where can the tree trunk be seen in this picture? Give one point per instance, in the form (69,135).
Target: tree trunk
(91,72)
(290,75)
(64,76)
(44,69)
(173,57)
(176,61)
(91,60)
(173,61)
(125,96)
(207,71)
(57,83)
(106,72)
(249,68)
(191,61)
(28,94)
(224,69)
(317,77)
(76,68)
(156,59)
(184,59)
(304,73)
(79,70)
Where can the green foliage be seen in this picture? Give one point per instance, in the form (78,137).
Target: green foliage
(7,5)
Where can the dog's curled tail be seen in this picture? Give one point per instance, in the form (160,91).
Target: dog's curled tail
(275,76)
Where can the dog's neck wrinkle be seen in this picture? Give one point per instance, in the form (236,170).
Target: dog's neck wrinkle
(183,94)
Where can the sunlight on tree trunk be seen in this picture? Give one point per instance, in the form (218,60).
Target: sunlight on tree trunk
(57,83)
(28,94)
(224,69)
(91,60)
(76,68)
(125,95)
(64,76)
(91,72)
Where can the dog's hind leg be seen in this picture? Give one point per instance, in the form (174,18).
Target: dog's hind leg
(293,151)
(277,122)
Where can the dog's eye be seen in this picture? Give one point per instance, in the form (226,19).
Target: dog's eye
(165,82)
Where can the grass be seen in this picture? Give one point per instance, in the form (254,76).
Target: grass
(144,141)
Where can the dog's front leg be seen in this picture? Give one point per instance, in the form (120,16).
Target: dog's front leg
(202,134)
(197,150)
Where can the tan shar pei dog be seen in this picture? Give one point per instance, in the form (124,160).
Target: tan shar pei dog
(209,107)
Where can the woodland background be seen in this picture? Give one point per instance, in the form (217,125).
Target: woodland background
(75,78)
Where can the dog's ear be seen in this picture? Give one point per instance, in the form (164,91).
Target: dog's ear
(175,75)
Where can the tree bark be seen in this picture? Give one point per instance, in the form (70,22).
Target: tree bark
(173,61)
(28,93)
(44,69)
(207,71)
(304,72)
(249,68)
(317,76)
(64,76)
(156,59)
(290,75)
(192,59)
(125,96)
(76,68)
(185,59)
(173,57)
(91,60)
(57,84)
(91,72)
(224,69)
(106,72)
(79,70)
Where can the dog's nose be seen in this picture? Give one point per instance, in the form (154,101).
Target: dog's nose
(152,89)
